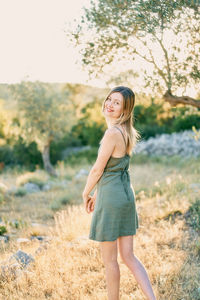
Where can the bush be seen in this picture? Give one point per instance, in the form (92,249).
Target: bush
(194,215)
(86,156)
(91,134)
(20,154)
(153,119)
(27,155)
(39,179)
(186,122)
(20,192)
(57,203)
(57,147)
(2,230)
(7,155)
(64,200)
(1,198)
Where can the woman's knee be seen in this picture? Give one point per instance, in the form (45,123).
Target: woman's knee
(112,266)
(110,261)
(127,258)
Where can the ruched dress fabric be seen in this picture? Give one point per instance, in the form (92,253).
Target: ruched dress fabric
(115,212)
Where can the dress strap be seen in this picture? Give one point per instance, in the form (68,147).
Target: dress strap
(121,133)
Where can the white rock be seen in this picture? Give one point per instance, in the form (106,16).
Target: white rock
(31,187)
(178,143)
(22,240)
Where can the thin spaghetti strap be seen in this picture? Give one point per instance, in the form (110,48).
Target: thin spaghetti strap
(122,134)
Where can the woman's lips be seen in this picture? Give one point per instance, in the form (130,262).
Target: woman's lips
(109,110)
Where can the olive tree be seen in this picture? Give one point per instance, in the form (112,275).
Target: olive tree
(164,34)
(45,113)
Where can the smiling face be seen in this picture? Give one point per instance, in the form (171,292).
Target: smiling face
(113,106)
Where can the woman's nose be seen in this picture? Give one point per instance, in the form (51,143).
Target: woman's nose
(110,105)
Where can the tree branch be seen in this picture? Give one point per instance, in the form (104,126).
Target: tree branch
(144,57)
(186,100)
(169,84)
(152,60)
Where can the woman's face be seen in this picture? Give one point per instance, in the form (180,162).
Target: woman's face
(113,106)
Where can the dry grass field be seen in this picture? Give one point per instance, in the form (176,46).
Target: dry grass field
(71,268)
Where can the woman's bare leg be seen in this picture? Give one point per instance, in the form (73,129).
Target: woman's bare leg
(109,255)
(134,264)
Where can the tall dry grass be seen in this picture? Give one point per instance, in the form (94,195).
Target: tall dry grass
(71,267)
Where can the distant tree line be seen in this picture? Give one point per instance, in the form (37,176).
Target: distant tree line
(39,120)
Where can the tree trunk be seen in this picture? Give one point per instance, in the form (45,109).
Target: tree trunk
(186,100)
(46,160)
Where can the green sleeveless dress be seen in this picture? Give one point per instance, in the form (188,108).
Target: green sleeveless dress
(115,211)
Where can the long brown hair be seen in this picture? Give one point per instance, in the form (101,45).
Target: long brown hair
(126,117)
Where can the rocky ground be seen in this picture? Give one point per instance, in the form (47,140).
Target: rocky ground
(178,143)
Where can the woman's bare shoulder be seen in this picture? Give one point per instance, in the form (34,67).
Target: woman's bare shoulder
(110,133)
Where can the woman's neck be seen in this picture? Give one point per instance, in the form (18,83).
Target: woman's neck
(111,123)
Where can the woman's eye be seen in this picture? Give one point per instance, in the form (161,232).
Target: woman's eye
(108,99)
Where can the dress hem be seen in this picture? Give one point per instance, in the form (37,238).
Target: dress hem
(103,240)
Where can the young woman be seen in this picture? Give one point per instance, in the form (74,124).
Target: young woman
(115,218)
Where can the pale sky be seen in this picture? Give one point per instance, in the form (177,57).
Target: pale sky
(34,43)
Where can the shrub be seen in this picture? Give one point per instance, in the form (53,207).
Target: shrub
(20,192)
(194,215)
(2,230)
(1,198)
(64,200)
(39,179)
(186,122)
(57,203)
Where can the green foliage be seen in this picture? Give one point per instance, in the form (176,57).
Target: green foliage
(64,200)
(87,156)
(2,230)
(68,140)
(20,192)
(88,133)
(194,215)
(90,128)
(1,197)
(197,250)
(186,122)
(153,119)
(56,204)
(146,119)
(31,155)
(39,179)
(21,155)
(197,133)
(44,111)
(139,29)
(7,155)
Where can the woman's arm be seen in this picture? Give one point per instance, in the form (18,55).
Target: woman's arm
(92,180)
(105,151)
(95,194)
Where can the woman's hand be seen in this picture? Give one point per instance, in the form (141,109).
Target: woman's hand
(89,202)
(86,199)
